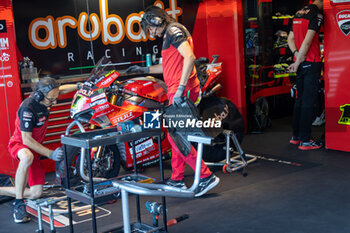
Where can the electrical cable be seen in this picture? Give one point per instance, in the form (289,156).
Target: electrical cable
(89,24)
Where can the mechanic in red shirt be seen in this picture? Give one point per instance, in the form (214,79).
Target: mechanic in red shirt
(303,41)
(25,145)
(180,77)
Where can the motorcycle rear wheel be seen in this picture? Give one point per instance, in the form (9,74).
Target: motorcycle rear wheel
(214,107)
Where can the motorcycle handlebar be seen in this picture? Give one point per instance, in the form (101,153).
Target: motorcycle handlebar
(201,60)
(204,60)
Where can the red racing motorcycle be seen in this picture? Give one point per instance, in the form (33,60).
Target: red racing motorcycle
(102,101)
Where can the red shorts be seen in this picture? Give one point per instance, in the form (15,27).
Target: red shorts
(36,171)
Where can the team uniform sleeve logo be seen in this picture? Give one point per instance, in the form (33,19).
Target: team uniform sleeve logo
(343,19)
(177,36)
(26,120)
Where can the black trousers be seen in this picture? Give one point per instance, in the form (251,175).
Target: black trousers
(307,84)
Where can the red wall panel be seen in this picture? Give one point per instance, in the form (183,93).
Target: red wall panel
(10,92)
(336,73)
(219,30)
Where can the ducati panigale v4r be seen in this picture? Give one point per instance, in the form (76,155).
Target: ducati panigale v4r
(104,102)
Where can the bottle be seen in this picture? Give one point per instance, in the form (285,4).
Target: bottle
(154,59)
(148,59)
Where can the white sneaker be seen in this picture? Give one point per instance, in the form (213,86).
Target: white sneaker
(318,121)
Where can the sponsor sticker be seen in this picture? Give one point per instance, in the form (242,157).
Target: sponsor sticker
(143,146)
(4,43)
(98,102)
(42,119)
(103,95)
(102,108)
(27,114)
(5,57)
(345,116)
(343,19)
(3,26)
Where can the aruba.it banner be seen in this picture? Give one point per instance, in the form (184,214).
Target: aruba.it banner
(56,34)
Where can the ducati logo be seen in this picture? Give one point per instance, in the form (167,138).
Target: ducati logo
(343,19)
(345,116)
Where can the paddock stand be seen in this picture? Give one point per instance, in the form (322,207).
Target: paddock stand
(45,202)
(238,161)
(162,190)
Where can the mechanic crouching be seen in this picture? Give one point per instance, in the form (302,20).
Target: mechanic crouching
(26,146)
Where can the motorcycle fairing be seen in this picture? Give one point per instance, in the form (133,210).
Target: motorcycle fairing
(147,87)
(107,79)
(213,73)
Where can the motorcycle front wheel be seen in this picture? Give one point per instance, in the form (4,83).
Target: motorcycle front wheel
(106,166)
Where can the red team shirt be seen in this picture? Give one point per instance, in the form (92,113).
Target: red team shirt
(308,18)
(172,62)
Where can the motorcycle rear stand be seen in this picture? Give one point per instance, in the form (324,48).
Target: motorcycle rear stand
(237,162)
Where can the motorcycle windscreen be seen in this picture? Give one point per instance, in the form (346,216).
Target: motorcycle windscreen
(102,67)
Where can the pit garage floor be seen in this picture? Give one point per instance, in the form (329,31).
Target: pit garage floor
(286,191)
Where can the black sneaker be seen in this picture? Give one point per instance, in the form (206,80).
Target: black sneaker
(310,145)
(176,183)
(19,213)
(205,184)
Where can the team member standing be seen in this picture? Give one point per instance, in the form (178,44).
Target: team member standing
(303,41)
(25,145)
(180,77)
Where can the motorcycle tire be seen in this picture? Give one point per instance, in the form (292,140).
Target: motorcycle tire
(73,157)
(211,107)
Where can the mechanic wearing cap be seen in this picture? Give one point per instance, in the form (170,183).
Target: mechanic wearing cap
(25,145)
(180,78)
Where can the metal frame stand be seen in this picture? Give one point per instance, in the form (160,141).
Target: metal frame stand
(88,140)
(236,162)
(158,190)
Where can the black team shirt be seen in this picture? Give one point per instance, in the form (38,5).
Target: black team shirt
(31,117)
